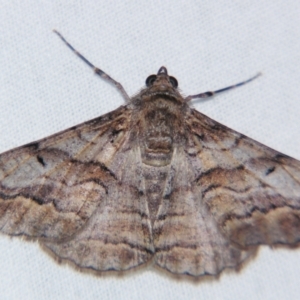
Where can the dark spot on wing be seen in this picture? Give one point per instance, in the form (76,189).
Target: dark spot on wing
(270,170)
(41,160)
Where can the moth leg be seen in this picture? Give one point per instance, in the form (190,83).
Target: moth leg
(96,70)
(212,93)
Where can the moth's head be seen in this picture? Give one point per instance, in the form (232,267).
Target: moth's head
(162,81)
(161,84)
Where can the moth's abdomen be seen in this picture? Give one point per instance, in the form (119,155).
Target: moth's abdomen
(159,144)
(156,159)
(157,150)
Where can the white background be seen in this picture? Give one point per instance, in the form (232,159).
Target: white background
(45,88)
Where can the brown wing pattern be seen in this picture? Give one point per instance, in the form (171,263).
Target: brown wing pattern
(229,195)
(69,192)
(153,179)
(186,236)
(252,191)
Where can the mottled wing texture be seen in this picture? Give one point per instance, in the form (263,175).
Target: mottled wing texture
(230,195)
(75,191)
(151,181)
(187,238)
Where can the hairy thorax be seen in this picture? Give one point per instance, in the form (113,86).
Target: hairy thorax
(159,129)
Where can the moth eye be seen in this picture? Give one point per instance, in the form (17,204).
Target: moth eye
(150,80)
(173,81)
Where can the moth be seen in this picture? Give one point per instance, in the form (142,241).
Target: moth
(152,182)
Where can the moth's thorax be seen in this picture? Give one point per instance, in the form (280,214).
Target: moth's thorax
(159,128)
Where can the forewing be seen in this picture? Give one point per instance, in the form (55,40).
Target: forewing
(252,191)
(68,192)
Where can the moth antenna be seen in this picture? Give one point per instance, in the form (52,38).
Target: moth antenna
(212,93)
(98,71)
